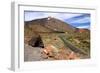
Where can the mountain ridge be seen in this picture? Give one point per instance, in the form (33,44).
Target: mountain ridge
(51,23)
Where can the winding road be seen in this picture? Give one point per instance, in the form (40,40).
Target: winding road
(73,48)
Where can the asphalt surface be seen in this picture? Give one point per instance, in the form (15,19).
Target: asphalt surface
(32,53)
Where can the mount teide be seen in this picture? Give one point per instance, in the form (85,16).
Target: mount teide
(49,24)
(44,31)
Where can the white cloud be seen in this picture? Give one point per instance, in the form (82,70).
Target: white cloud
(87,26)
(37,15)
(82,20)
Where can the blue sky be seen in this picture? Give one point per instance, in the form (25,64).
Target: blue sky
(79,20)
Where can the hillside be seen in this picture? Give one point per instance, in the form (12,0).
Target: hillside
(61,35)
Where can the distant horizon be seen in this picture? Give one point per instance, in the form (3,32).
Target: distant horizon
(78,20)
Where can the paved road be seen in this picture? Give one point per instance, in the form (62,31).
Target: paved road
(32,54)
(73,48)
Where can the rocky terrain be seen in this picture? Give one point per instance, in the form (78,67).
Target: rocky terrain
(52,39)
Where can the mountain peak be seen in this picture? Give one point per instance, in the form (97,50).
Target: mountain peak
(49,17)
(51,23)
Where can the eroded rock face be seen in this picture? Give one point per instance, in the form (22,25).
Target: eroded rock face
(36,42)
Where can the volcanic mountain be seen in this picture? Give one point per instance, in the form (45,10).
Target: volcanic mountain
(44,31)
(49,24)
